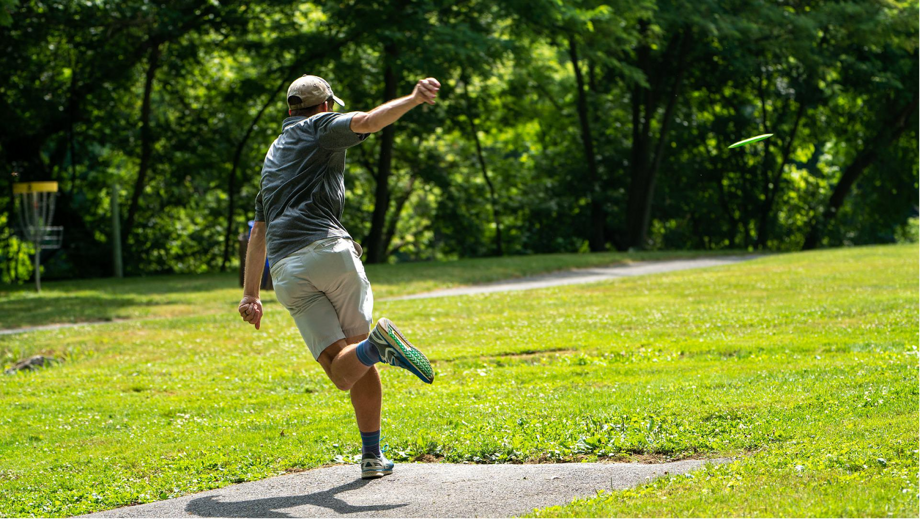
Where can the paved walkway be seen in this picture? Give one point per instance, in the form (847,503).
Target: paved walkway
(578,276)
(414,490)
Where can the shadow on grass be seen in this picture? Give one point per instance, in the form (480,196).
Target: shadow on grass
(270,506)
(100,300)
(148,285)
(23,313)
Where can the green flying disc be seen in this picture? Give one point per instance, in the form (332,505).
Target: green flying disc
(745,142)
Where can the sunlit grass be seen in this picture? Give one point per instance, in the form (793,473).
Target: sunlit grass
(804,366)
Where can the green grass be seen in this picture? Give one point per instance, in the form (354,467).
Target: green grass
(176,296)
(803,360)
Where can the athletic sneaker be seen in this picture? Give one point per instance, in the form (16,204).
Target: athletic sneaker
(395,350)
(373,466)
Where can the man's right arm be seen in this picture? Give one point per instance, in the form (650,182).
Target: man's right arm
(251,306)
(388,113)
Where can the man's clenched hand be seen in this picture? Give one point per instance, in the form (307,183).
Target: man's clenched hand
(426,90)
(251,310)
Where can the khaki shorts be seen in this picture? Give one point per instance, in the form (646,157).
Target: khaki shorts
(325,289)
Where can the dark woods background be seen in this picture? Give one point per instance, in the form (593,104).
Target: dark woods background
(561,126)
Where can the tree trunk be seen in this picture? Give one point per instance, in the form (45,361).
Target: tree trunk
(887,134)
(645,166)
(146,141)
(499,250)
(598,218)
(72,115)
(9,210)
(397,211)
(376,253)
(38,268)
(638,160)
(772,186)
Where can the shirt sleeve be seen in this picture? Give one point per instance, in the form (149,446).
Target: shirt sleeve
(334,132)
(260,211)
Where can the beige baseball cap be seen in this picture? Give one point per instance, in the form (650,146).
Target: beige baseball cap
(309,91)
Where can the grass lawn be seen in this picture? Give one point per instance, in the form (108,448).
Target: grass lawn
(803,366)
(177,296)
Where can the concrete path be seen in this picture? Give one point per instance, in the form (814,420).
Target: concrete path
(413,490)
(578,276)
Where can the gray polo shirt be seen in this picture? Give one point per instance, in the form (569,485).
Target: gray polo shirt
(302,193)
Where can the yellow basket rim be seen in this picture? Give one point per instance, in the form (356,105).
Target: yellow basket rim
(35,187)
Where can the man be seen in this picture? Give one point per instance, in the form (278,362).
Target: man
(315,265)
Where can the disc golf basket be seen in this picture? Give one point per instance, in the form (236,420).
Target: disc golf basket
(36,210)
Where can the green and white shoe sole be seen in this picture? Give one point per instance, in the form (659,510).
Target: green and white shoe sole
(400,352)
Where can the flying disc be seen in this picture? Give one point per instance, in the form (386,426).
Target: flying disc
(745,142)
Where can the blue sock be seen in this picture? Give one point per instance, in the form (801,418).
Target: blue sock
(367,353)
(370,442)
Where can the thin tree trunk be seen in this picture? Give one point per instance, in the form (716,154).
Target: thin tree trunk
(397,212)
(723,203)
(376,253)
(146,141)
(499,250)
(72,112)
(888,133)
(9,209)
(598,218)
(774,181)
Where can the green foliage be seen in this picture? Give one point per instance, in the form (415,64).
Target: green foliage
(909,233)
(826,78)
(17,260)
(6,8)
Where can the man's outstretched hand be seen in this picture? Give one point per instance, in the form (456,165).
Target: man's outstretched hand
(251,310)
(426,90)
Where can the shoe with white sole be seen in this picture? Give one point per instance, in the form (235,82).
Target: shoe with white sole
(373,466)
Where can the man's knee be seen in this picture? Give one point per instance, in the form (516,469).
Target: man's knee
(325,360)
(341,384)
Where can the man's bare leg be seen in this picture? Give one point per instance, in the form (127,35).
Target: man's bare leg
(340,361)
(348,373)
(350,364)
(366,393)
(342,366)
(366,397)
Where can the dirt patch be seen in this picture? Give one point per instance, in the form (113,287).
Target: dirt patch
(526,354)
(427,458)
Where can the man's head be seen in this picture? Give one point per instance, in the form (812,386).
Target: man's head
(310,95)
